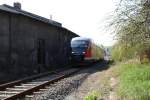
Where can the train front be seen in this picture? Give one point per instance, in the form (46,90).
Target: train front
(79,48)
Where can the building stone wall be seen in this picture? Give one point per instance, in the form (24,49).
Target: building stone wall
(29,46)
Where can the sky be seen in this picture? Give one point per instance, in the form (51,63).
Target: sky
(84,17)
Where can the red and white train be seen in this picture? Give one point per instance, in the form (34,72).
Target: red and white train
(84,49)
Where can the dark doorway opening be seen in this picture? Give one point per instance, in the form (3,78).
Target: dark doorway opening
(41,51)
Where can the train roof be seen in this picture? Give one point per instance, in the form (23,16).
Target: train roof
(81,38)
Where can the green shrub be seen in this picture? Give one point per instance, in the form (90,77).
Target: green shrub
(123,52)
(93,96)
(145,60)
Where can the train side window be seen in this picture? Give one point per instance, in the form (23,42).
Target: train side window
(41,51)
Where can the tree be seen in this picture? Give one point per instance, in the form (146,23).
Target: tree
(132,25)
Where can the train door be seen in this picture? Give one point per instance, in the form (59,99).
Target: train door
(41,51)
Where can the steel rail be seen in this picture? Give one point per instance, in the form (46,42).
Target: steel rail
(41,86)
(19,81)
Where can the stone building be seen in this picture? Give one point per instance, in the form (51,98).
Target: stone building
(30,43)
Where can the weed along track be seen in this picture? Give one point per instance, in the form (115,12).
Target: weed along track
(27,87)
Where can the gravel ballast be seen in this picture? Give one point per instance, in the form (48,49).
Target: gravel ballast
(74,87)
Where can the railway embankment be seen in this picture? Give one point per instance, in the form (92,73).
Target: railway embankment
(124,81)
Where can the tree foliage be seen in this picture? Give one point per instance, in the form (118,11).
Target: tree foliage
(131,22)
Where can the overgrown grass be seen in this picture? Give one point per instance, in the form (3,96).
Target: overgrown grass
(134,82)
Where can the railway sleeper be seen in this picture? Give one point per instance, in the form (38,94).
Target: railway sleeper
(23,87)
(37,92)
(34,82)
(30,85)
(4,96)
(8,92)
(29,97)
(44,89)
(16,89)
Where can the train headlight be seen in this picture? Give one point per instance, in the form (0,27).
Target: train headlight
(83,52)
(73,52)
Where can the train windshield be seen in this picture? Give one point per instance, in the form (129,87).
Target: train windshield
(79,43)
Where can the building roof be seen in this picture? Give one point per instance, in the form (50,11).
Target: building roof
(11,9)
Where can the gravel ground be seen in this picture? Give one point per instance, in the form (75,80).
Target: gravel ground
(75,87)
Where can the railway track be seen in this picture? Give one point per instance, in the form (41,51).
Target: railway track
(27,87)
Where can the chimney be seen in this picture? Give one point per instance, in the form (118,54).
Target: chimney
(51,17)
(17,5)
